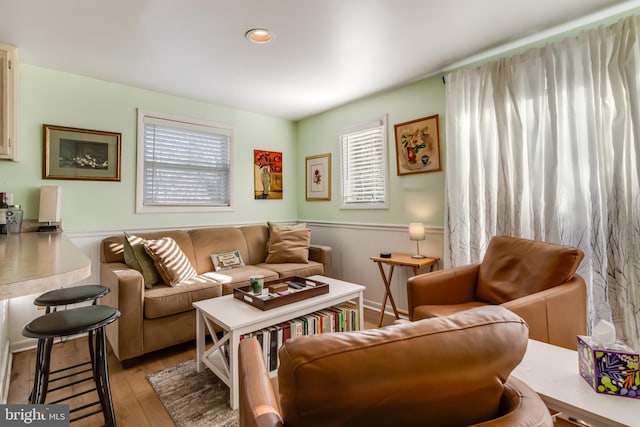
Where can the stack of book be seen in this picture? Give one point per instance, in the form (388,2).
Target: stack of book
(342,318)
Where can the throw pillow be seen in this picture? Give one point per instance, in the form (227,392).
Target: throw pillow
(172,264)
(135,257)
(286,245)
(227,260)
(299,226)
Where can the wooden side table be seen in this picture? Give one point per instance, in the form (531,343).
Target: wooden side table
(401,260)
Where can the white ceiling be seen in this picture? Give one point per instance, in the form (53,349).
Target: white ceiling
(325,52)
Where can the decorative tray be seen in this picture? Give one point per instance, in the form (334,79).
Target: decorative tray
(266,301)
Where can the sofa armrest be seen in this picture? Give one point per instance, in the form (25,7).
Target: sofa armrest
(127,295)
(323,255)
(555,315)
(259,405)
(452,286)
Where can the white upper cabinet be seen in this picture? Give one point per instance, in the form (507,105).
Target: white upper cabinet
(8,103)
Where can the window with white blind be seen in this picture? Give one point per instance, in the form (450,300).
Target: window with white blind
(184,165)
(363,149)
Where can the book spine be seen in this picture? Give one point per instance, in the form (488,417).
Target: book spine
(273,351)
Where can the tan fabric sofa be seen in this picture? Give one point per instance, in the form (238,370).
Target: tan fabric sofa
(445,371)
(163,315)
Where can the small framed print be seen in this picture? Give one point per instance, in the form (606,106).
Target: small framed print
(82,154)
(418,146)
(318,177)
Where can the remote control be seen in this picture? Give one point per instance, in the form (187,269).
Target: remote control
(295,285)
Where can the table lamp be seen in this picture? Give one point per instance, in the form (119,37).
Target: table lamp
(50,198)
(416,232)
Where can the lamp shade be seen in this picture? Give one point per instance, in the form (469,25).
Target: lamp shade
(416,231)
(50,203)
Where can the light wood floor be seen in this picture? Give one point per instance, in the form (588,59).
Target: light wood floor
(135,402)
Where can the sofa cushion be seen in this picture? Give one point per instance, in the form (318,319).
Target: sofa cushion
(239,276)
(257,238)
(514,267)
(295,269)
(137,258)
(216,240)
(288,245)
(165,300)
(172,264)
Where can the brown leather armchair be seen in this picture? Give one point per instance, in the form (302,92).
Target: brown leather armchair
(447,371)
(535,280)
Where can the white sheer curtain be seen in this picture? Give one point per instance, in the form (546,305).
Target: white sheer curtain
(544,145)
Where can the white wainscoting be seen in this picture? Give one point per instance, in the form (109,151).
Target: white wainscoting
(352,245)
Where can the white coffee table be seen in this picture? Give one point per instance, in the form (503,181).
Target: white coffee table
(237,318)
(554,374)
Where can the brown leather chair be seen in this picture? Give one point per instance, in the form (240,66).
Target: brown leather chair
(447,371)
(535,280)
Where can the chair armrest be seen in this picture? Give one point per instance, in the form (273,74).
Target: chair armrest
(126,287)
(520,406)
(555,315)
(259,405)
(451,286)
(323,255)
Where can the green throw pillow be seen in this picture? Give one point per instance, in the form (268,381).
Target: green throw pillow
(135,257)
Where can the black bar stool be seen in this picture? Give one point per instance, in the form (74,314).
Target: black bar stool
(91,319)
(73,295)
(62,297)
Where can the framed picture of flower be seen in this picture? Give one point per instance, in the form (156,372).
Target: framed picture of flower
(318,177)
(418,146)
(81,154)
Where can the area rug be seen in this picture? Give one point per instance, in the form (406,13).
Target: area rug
(193,399)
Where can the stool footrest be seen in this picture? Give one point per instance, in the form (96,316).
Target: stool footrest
(73,396)
(88,362)
(81,380)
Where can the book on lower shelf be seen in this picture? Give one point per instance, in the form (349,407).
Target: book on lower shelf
(341,318)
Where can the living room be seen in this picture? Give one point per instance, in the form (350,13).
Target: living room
(93,210)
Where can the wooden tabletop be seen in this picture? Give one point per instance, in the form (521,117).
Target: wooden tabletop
(406,260)
(36,262)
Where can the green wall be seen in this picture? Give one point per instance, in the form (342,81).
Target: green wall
(52,97)
(413,198)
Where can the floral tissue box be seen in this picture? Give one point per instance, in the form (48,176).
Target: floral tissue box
(609,371)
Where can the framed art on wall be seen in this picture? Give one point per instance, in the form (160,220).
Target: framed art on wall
(267,174)
(81,154)
(318,177)
(418,146)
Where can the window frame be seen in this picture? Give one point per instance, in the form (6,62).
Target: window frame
(140,168)
(378,121)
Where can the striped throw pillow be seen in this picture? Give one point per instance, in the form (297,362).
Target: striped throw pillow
(172,264)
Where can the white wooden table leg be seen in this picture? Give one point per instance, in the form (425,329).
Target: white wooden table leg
(200,340)
(234,393)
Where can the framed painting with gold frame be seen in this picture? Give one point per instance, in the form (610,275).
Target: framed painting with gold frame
(318,177)
(81,154)
(418,146)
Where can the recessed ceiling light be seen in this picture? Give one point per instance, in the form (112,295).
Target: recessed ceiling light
(258,35)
